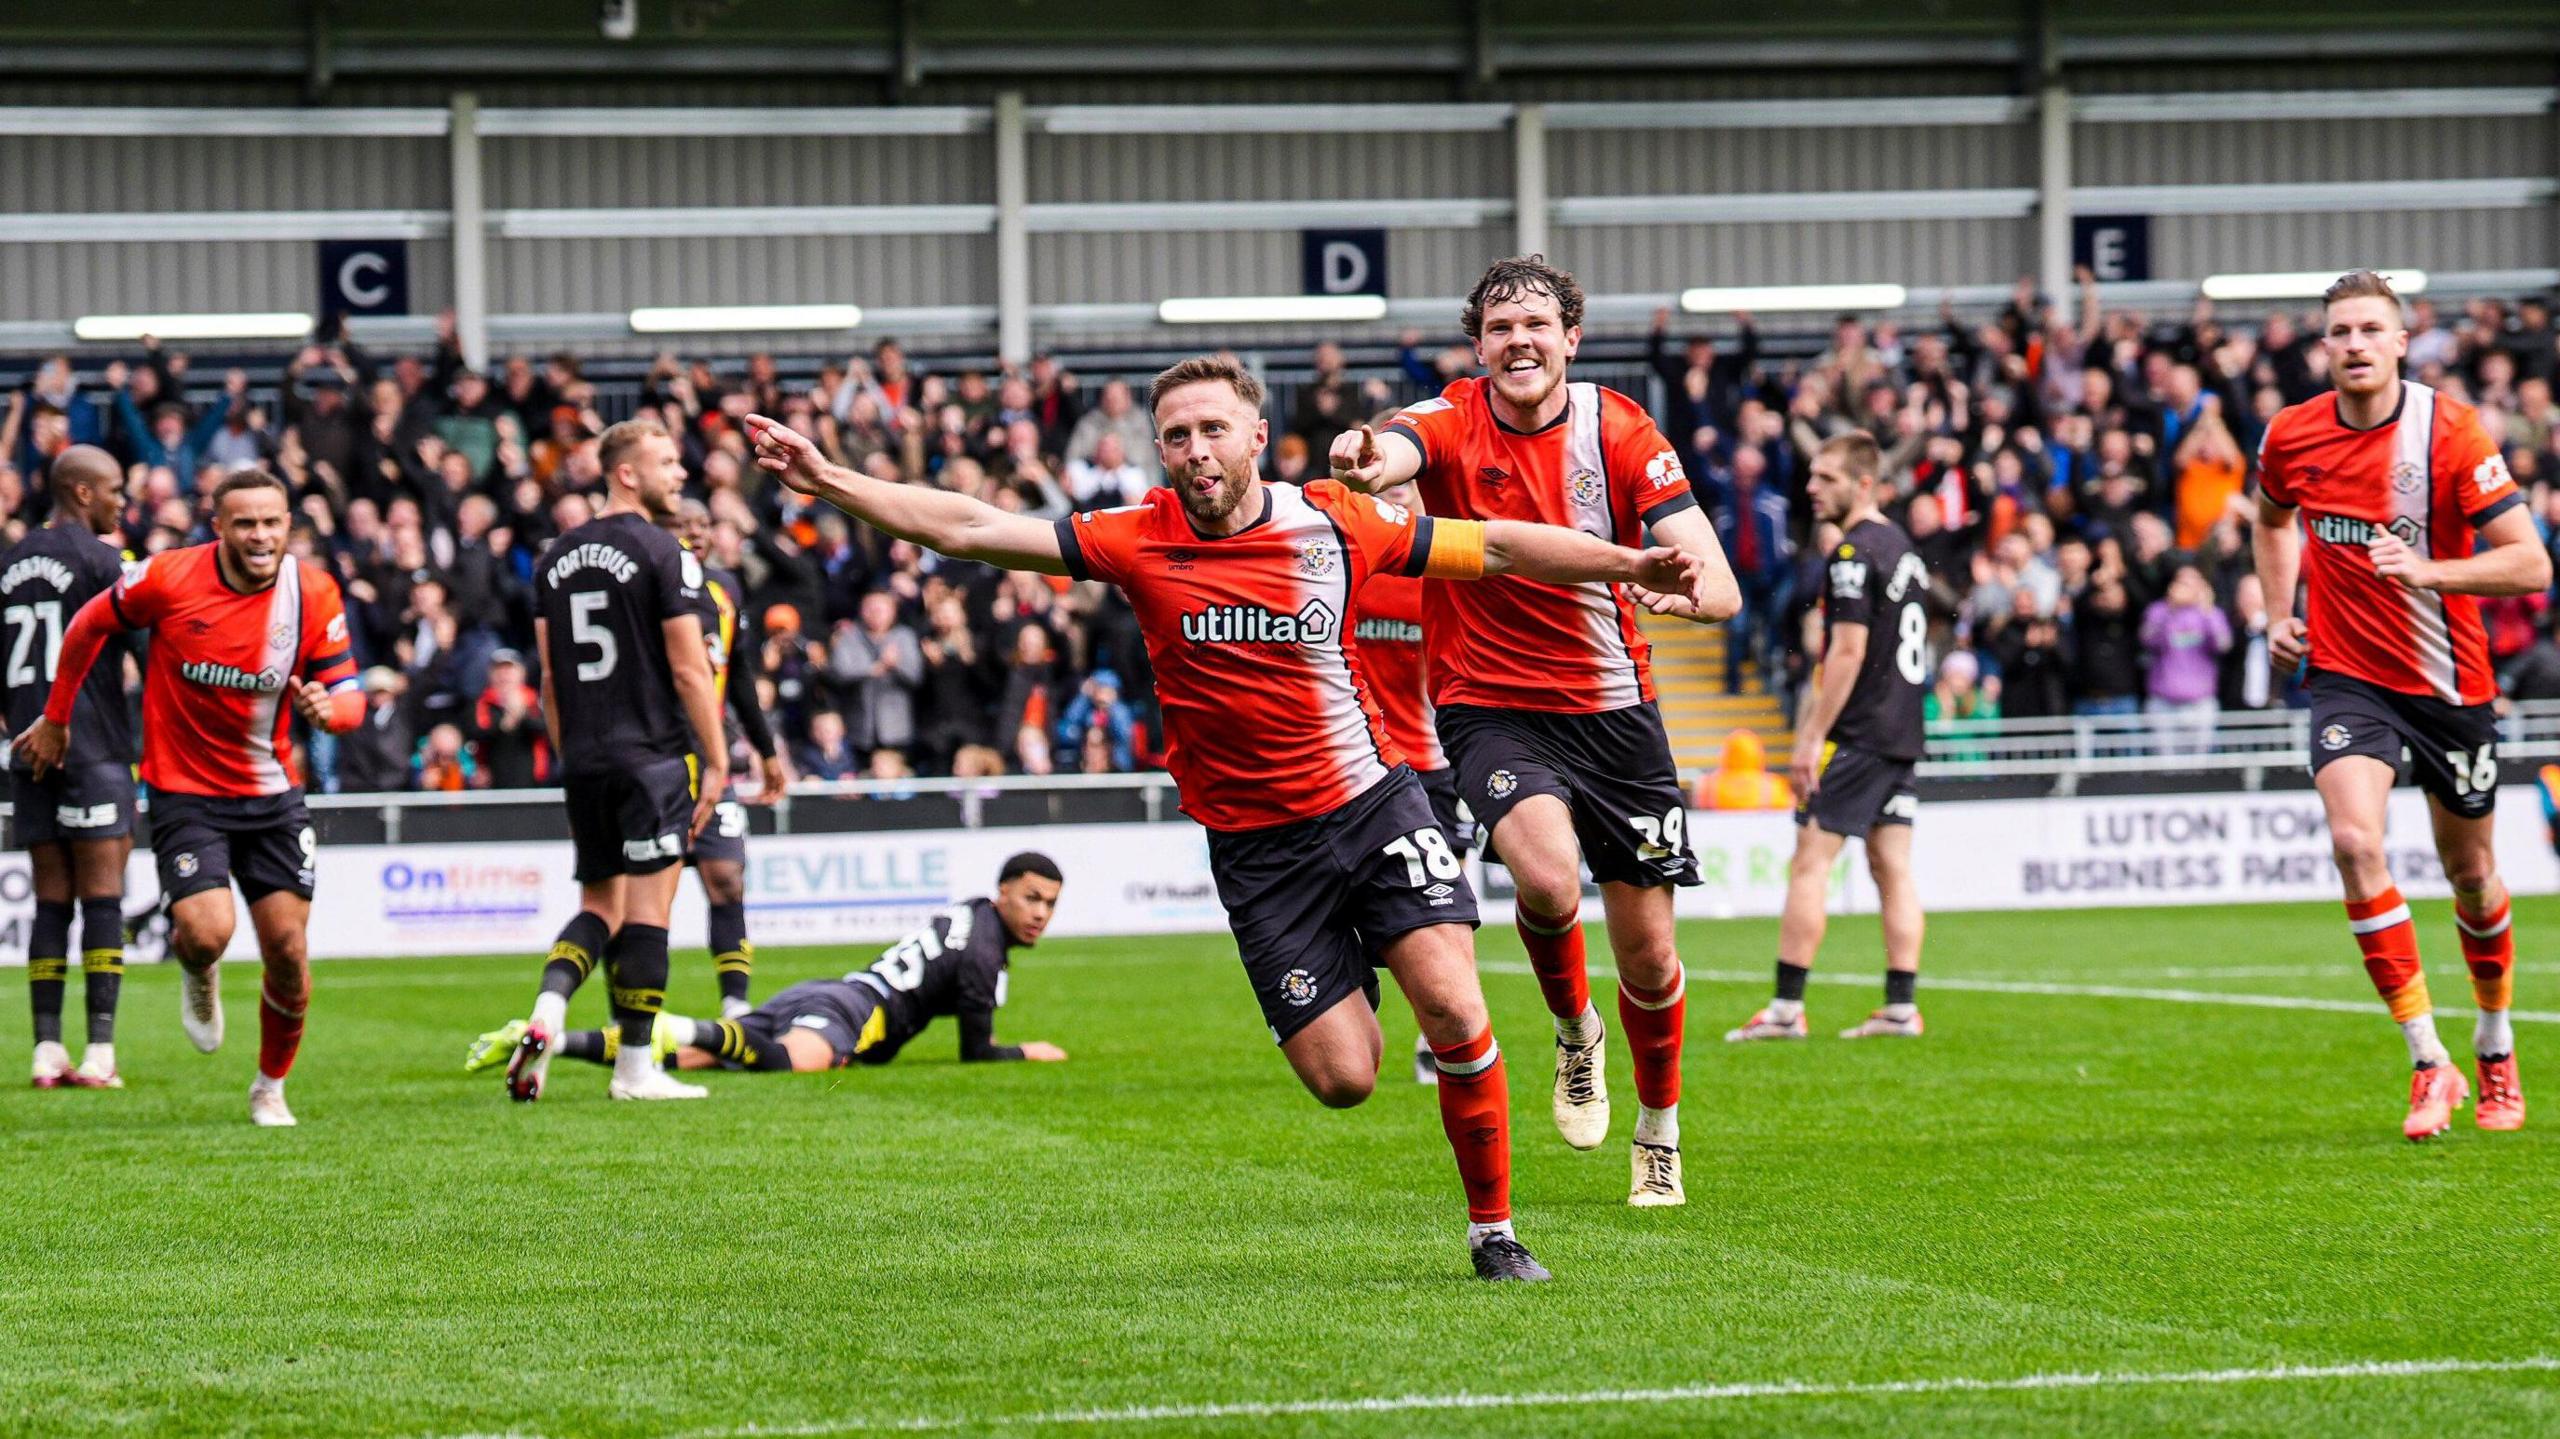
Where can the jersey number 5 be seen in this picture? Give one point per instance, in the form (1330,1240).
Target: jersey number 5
(583,628)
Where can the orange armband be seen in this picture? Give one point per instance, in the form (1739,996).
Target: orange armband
(1457,550)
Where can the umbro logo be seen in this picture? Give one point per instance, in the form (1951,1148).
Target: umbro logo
(199,627)
(1492,478)
(1180,559)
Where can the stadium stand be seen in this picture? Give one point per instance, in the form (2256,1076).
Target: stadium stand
(2077,479)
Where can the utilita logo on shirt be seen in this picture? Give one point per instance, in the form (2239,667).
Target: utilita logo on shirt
(229,677)
(1254,625)
(2347,530)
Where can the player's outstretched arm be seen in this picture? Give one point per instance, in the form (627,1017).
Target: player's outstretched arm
(1720,596)
(43,743)
(1555,555)
(1361,462)
(939,520)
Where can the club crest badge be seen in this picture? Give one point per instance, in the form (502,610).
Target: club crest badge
(1299,988)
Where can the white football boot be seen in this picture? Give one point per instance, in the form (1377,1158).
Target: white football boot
(200,1006)
(1582,1090)
(52,1067)
(266,1105)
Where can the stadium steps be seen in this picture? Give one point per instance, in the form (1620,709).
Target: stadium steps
(1688,675)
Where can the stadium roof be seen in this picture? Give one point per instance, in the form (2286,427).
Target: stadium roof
(903,42)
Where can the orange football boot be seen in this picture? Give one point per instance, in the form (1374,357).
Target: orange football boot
(2501,1097)
(2435,1092)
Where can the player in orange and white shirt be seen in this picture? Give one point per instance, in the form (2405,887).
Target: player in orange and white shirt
(2411,517)
(1322,844)
(1390,638)
(1545,692)
(238,628)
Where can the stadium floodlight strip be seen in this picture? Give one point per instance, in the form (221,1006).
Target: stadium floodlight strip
(1271,309)
(2298,284)
(715,319)
(1772,299)
(270,325)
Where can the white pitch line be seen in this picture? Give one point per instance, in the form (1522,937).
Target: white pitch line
(2084,991)
(1675,1394)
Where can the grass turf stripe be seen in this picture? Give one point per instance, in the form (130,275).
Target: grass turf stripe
(1671,1394)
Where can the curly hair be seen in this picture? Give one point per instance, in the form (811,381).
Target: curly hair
(1521,275)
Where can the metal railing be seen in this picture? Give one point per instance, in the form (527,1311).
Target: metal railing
(2244,744)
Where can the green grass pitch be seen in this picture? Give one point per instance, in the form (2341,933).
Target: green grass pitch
(1166,1236)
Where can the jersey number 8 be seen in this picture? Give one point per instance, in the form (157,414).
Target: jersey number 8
(1912,655)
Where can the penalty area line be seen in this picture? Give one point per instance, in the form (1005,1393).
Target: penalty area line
(1675,1394)
(2081,991)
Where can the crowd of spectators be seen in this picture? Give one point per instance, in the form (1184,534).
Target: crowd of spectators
(2075,479)
(2079,484)
(429,488)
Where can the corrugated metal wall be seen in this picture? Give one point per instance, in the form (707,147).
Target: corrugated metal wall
(2196,245)
(587,276)
(52,281)
(2301,151)
(116,175)
(59,281)
(1663,259)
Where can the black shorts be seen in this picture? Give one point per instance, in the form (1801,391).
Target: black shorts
(1860,789)
(839,1011)
(630,821)
(71,804)
(2453,748)
(1456,820)
(1313,904)
(725,838)
(204,842)
(1613,770)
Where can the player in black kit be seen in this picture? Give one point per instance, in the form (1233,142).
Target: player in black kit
(718,855)
(76,823)
(1856,744)
(954,966)
(635,718)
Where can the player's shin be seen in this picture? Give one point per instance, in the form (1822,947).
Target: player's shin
(48,967)
(637,963)
(1556,955)
(573,957)
(1475,1112)
(733,956)
(102,964)
(2389,939)
(2489,949)
(280,1015)
(1652,1021)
